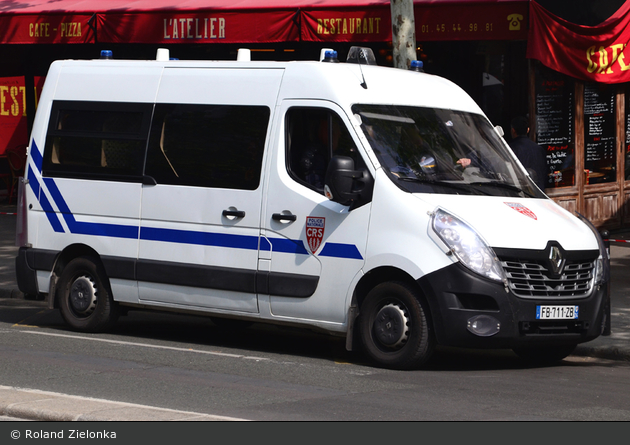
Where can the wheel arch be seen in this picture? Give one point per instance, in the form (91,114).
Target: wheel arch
(368,282)
(65,256)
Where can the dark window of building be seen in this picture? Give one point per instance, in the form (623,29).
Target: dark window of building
(97,139)
(218,146)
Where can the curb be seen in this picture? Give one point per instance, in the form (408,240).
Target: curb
(31,404)
(603,352)
(11,293)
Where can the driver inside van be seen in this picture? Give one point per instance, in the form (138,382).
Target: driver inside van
(316,154)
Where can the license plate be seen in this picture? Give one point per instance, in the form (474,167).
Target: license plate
(557,312)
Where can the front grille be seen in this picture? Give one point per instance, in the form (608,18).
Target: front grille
(531,279)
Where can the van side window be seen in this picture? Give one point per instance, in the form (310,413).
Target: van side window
(207,145)
(313,136)
(96,139)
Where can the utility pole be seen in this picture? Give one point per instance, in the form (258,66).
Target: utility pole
(403,33)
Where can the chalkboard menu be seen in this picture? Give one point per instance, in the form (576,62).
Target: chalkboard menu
(554,124)
(599,133)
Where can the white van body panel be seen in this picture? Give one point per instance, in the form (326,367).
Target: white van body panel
(40,125)
(218,85)
(111,82)
(503,226)
(398,243)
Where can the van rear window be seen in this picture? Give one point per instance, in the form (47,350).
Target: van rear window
(96,139)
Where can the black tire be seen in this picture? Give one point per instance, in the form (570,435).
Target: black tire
(84,296)
(544,355)
(394,327)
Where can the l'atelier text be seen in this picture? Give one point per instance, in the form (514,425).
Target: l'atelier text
(194,28)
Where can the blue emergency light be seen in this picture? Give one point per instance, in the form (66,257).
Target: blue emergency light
(330,56)
(416,65)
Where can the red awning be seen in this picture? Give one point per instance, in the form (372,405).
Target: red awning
(471,20)
(253,21)
(595,53)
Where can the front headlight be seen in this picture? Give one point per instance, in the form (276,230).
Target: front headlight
(599,270)
(467,246)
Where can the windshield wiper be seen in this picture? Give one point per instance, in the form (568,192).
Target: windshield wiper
(463,187)
(504,185)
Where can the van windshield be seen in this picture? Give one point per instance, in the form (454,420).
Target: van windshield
(427,150)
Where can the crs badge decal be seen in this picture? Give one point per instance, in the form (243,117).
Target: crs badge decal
(520,208)
(315,232)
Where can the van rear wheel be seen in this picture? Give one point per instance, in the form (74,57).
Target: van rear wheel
(394,328)
(84,296)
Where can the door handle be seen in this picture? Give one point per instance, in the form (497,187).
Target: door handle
(234,213)
(283,217)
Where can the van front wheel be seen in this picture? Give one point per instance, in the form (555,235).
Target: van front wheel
(394,328)
(84,297)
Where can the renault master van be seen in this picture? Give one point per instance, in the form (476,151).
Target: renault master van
(368,202)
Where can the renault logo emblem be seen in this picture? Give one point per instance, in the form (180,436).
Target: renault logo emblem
(556,260)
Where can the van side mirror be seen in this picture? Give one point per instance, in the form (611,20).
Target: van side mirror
(344,184)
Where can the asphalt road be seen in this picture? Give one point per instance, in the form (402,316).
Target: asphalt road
(185,363)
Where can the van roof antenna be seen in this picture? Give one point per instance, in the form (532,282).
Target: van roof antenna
(361,56)
(363,84)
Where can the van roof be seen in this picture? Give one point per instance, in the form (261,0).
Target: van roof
(338,82)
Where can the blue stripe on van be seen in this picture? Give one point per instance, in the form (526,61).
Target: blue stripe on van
(33,182)
(36,156)
(43,201)
(338,250)
(200,238)
(284,245)
(88,228)
(263,244)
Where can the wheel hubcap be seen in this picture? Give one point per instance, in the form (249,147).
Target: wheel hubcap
(83,295)
(391,326)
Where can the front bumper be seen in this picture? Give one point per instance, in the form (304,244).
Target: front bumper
(456,295)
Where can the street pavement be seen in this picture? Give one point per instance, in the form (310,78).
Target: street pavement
(28,404)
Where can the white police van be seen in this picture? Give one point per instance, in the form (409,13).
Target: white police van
(368,202)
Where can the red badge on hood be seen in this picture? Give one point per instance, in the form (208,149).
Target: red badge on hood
(520,208)
(314,232)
